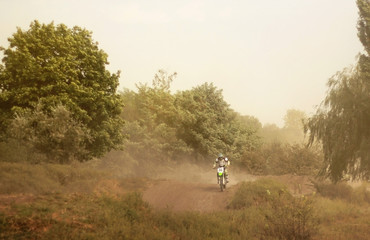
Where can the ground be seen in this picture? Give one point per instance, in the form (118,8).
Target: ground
(199,191)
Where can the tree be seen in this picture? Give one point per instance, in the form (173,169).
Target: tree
(55,65)
(210,126)
(152,121)
(57,135)
(204,117)
(293,130)
(342,123)
(251,122)
(271,133)
(294,119)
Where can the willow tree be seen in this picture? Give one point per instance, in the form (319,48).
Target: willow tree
(53,66)
(342,123)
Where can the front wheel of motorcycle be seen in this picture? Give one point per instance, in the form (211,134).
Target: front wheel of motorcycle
(222,184)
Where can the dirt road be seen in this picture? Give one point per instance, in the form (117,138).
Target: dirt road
(187,196)
(195,190)
(181,191)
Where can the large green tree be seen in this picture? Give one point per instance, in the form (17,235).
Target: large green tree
(195,124)
(210,126)
(56,65)
(342,123)
(152,121)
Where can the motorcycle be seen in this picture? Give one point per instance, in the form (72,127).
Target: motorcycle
(221,178)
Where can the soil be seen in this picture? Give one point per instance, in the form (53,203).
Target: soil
(200,192)
(183,188)
(187,196)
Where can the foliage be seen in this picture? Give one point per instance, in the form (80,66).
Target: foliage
(210,126)
(285,217)
(278,158)
(344,191)
(196,122)
(256,193)
(25,178)
(292,132)
(271,133)
(57,135)
(291,218)
(294,119)
(151,121)
(55,65)
(342,123)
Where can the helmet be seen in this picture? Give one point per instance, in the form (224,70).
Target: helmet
(220,155)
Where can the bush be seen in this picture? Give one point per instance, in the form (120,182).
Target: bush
(256,193)
(278,159)
(343,191)
(44,178)
(290,218)
(284,216)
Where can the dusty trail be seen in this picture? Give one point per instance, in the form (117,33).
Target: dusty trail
(196,190)
(179,190)
(185,187)
(187,196)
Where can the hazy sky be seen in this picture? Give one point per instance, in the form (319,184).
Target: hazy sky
(267,56)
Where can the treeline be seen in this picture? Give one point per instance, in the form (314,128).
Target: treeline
(194,125)
(59,104)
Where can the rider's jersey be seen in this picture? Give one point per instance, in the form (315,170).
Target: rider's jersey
(223,162)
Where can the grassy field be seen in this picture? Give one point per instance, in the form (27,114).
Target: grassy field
(78,202)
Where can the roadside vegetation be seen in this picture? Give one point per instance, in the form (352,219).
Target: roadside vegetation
(82,207)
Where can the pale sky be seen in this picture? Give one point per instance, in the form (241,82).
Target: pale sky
(267,56)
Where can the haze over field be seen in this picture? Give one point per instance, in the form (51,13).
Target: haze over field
(267,56)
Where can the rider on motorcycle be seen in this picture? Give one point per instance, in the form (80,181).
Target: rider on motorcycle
(222,161)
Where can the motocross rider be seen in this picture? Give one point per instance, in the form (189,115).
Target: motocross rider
(222,161)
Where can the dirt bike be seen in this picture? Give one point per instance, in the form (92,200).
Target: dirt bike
(221,178)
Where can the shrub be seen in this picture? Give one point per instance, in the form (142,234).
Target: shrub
(56,135)
(44,178)
(277,159)
(284,216)
(343,191)
(290,218)
(256,193)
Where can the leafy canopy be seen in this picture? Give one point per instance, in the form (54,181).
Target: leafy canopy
(55,65)
(342,123)
(196,123)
